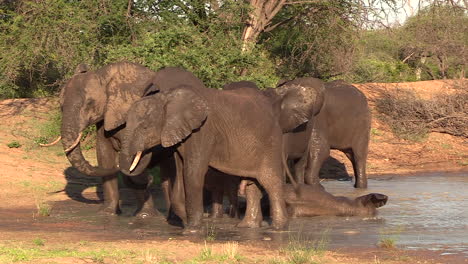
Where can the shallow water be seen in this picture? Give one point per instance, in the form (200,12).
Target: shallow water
(423,212)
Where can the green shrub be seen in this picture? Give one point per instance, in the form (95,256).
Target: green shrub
(14,144)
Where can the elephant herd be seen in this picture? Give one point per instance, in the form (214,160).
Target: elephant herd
(235,140)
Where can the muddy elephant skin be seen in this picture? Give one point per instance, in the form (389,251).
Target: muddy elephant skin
(343,123)
(313,200)
(235,132)
(103,97)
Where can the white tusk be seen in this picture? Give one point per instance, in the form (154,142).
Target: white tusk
(77,141)
(136,160)
(51,144)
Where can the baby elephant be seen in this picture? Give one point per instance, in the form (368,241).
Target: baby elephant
(313,200)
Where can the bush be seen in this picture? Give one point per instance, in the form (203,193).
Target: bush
(14,144)
(411,117)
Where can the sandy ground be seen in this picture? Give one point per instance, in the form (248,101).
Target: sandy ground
(32,177)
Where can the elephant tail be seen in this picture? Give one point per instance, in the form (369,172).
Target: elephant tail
(288,172)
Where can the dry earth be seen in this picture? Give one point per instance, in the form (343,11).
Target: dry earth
(31,179)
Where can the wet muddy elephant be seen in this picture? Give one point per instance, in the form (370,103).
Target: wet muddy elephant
(235,132)
(343,123)
(103,97)
(313,200)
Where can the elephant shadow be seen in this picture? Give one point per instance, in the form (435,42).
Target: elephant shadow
(334,169)
(77,183)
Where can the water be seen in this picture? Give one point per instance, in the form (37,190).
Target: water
(423,212)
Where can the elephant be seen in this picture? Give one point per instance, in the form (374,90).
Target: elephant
(313,200)
(343,123)
(219,184)
(336,116)
(235,132)
(103,97)
(305,200)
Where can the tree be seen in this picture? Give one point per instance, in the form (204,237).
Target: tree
(435,41)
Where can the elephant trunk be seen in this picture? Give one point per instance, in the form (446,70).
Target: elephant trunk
(75,156)
(127,158)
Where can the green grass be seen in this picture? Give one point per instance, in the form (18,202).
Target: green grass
(14,144)
(375,132)
(230,254)
(17,254)
(43,209)
(303,251)
(39,242)
(210,232)
(389,237)
(387,242)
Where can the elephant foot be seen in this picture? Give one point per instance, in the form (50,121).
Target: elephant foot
(280,224)
(249,223)
(147,213)
(361,185)
(233,212)
(216,215)
(110,209)
(191,231)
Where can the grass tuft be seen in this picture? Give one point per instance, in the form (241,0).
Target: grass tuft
(14,144)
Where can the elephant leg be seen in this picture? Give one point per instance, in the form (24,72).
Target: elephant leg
(167,175)
(217,203)
(358,159)
(177,195)
(107,158)
(273,184)
(318,151)
(253,212)
(141,186)
(194,177)
(232,190)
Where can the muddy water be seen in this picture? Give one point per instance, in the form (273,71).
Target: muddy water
(423,212)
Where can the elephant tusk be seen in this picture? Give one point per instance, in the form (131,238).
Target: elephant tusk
(77,141)
(136,160)
(51,144)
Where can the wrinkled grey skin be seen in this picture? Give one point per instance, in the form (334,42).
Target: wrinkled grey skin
(313,200)
(344,124)
(294,104)
(103,97)
(235,132)
(220,184)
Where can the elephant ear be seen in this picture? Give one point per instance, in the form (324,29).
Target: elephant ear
(184,112)
(294,109)
(118,103)
(81,68)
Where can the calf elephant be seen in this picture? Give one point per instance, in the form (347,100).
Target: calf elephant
(313,200)
(235,132)
(305,200)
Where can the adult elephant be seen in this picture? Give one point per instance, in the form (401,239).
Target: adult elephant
(235,132)
(343,123)
(103,97)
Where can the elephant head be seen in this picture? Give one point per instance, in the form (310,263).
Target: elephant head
(165,118)
(296,102)
(90,97)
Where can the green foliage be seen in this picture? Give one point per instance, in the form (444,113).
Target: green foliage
(14,144)
(50,129)
(42,42)
(213,56)
(39,241)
